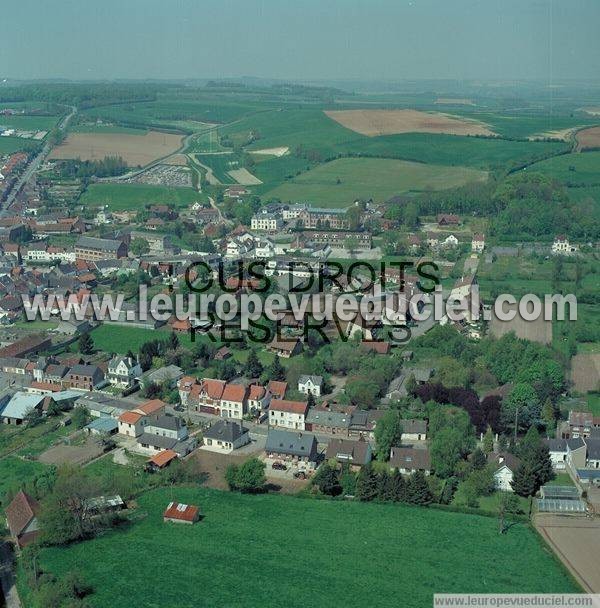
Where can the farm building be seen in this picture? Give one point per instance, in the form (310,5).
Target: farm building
(161,460)
(181,514)
(21,518)
(101,426)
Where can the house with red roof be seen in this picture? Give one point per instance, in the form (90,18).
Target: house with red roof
(181,513)
(234,401)
(258,398)
(21,518)
(288,414)
(277,388)
(206,396)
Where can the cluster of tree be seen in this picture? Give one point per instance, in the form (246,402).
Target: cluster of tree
(50,591)
(83,95)
(536,372)
(532,205)
(86,344)
(167,351)
(107,167)
(369,485)
(368,374)
(248,478)
(482,414)
(476,479)
(536,467)
(241,211)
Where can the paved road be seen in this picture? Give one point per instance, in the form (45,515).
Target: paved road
(7,578)
(33,166)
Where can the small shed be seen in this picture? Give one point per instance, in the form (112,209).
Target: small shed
(101,426)
(161,460)
(181,514)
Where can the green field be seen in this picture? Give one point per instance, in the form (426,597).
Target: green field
(15,471)
(172,111)
(581,194)
(132,197)
(8,145)
(363,554)
(594,403)
(582,168)
(528,125)
(312,129)
(29,123)
(369,178)
(220,165)
(118,339)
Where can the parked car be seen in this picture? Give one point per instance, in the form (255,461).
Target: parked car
(300,475)
(279,466)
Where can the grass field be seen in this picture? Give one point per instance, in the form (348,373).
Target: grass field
(16,144)
(170,111)
(15,471)
(583,168)
(528,125)
(118,339)
(593,400)
(132,197)
(369,178)
(312,129)
(29,123)
(220,165)
(363,554)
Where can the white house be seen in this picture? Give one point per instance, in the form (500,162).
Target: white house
(225,436)
(288,414)
(264,249)
(450,241)
(310,385)
(236,248)
(258,398)
(562,246)
(478,243)
(506,465)
(122,371)
(266,221)
(293,211)
(558,450)
(234,401)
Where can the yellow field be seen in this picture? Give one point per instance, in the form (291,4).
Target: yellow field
(133,149)
(391,122)
(588,138)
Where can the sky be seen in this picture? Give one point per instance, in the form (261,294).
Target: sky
(301,39)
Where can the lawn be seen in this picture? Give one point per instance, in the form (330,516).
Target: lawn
(118,339)
(14,472)
(273,550)
(561,479)
(133,197)
(593,400)
(340,182)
